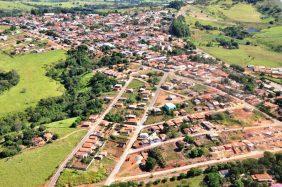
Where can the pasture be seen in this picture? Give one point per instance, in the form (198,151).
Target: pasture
(34,84)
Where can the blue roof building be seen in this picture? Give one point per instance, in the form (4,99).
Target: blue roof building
(169,106)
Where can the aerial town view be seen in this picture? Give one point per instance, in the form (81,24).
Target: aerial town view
(141,93)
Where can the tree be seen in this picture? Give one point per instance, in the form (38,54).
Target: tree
(150,163)
(194,172)
(189,139)
(213,179)
(175,4)
(179,145)
(179,27)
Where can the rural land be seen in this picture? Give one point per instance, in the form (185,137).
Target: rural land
(141,93)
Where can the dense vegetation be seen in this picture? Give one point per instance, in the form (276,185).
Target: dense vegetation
(8,80)
(228,44)
(154,157)
(77,101)
(235,32)
(176,4)
(200,26)
(179,27)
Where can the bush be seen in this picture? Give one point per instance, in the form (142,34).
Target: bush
(194,172)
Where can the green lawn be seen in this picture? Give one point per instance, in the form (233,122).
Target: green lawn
(70,177)
(191,182)
(34,167)
(62,128)
(136,84)
(34,84)
(245,55)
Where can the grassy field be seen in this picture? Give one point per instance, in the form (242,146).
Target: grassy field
(245,55)
(33,167)
(271,37)
(243,13)
(223,13)
(33,84)
(11,5)
(191,182)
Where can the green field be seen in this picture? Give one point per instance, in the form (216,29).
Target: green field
(246,55)
(191,182)
(34,84)
(271,37)
(34,167)
(264,44)
(11,5)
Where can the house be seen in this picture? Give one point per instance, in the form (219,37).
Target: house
(117,87)
(143,135)
(48,136)
(262,178)
(86,124)
(132,121)
(80,154)
(37,141)
(156,110)
(167,86)
(169,106)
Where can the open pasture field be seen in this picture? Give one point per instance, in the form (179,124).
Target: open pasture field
(265,44)
(271,37)
(33,167)
(14,5)
(34,84)
(246,55)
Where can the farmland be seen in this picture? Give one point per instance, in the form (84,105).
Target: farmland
(33,167)
(264,44)
(34,84)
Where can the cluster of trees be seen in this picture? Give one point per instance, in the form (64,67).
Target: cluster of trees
(235,32)
(237,67)
(176,4)
(195,152)
(228,44)
(101,83)
(154,157)
(154,77)
(203,59)
(246,80)
(113,59)
(117,118)
(204,27)
(12,142)
(8,80)
(270,163)
(179,27)
(270,9)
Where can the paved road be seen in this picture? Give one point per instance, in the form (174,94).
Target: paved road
(55,177)
(111,177)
